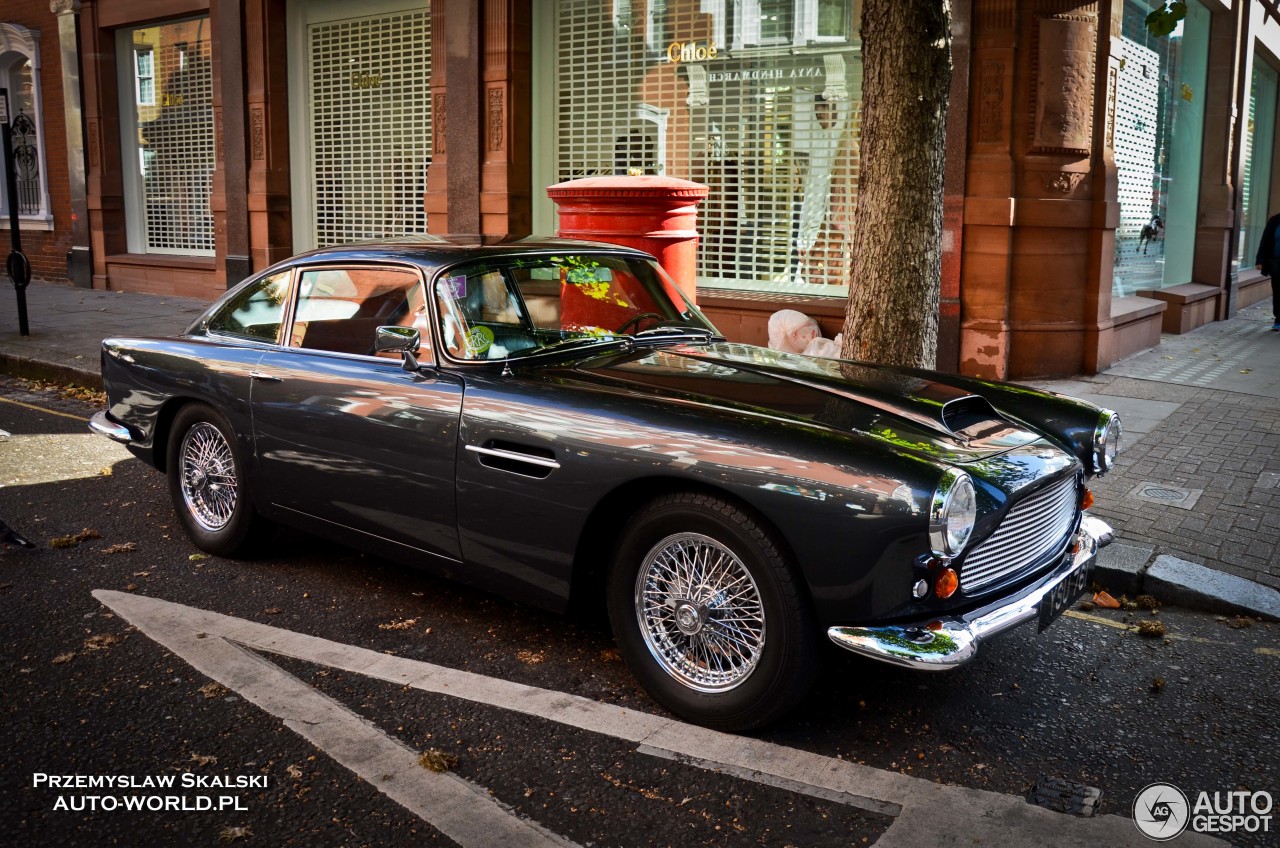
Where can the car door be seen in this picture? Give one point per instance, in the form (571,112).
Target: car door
(348,437)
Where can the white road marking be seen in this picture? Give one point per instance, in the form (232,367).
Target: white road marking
(457,808)
(931,814)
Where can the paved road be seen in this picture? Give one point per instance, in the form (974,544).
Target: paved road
(91,690)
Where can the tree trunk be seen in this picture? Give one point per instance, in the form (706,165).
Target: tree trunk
(894,287)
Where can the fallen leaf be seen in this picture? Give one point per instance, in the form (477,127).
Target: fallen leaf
(294,772)
(1147,602)
(273,610)
(529,657)
(230,834)
(101,641)
(1240,622)
(213,689)
(122,548)
(64,658)
(203,759)
(433,759)
(1157,684)
(1246,370)
(142,574)
(610,655)
(1151,628)
(398,624)
(198,557)
(70,541)
(131,587)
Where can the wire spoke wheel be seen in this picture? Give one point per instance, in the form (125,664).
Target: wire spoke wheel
(208,476)
(700,612)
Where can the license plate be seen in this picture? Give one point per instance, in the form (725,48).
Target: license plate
(1065,592)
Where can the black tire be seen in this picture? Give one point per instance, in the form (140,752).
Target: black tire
(212,503)
(698,650)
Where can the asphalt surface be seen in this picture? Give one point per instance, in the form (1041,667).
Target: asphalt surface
(87,694)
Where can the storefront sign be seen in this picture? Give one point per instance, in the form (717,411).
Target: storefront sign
(691,51)
(359,80)
(172,99)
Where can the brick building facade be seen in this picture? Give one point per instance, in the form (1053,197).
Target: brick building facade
(1101,185)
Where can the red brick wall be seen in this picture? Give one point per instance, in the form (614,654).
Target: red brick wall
(46,250)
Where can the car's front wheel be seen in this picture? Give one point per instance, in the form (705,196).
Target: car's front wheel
(206,483)
(709,613)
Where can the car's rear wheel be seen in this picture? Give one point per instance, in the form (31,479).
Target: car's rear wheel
(709,614)
(206,483)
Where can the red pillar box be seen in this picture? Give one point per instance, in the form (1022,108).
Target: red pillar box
(658,215)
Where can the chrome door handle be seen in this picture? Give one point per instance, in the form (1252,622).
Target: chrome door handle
(265,377)
(515,456)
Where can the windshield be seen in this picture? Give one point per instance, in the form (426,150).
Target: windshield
(516,306)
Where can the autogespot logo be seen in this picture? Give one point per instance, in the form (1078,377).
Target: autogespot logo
(1161,811)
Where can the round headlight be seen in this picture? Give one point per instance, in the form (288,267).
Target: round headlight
(952,514)
(1106,441)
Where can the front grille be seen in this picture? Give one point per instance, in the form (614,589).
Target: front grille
(1033,527)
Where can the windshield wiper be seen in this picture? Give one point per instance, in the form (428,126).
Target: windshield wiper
(676,333)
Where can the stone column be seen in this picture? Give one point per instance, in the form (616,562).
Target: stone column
(80,257)
(506,201)
(266,98)
(229,199)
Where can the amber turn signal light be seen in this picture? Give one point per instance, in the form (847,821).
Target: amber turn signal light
(947,583)
(1087,500)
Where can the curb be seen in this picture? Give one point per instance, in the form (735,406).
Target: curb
(1128,569)
(16,365)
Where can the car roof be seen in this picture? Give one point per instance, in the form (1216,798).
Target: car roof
(436,250)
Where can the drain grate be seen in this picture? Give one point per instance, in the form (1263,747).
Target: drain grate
(1065,796)
(1167,494)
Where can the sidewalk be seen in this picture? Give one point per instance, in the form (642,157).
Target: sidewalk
(1195,499)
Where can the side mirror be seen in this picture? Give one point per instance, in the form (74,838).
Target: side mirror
(404,340)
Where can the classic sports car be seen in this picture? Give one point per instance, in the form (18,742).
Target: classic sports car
(552,420)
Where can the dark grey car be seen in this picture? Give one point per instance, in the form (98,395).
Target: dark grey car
(552,420)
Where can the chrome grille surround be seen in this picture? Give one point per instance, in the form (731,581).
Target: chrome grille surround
(1035,525)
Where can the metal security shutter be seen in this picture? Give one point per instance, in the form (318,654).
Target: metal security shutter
(771,128)
(1137,151)
(176,135)
(370,139)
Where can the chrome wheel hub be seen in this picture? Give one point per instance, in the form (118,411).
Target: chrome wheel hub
(700,612)
(208,477)
(688,619)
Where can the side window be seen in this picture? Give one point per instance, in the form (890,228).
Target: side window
(256,311)
(340,309)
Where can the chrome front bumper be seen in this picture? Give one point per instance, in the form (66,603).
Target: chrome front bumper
(104,426)
(937,644)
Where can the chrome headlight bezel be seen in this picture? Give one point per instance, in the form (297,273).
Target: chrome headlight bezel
(1106,441)
(952,488)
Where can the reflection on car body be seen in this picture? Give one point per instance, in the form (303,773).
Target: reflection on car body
(553,420)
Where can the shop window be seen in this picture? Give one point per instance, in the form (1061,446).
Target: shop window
(20,77)
(166,125)
(757,99)
(1160,102)
(1259,148)
(365,95)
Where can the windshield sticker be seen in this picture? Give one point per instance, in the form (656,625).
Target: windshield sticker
(479,340)
(456,287)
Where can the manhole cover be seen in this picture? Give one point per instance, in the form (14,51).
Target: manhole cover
(1065,796)
(1167,494)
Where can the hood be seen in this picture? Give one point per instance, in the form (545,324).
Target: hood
(907,411)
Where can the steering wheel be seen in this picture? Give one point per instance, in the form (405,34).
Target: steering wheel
(636,319)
